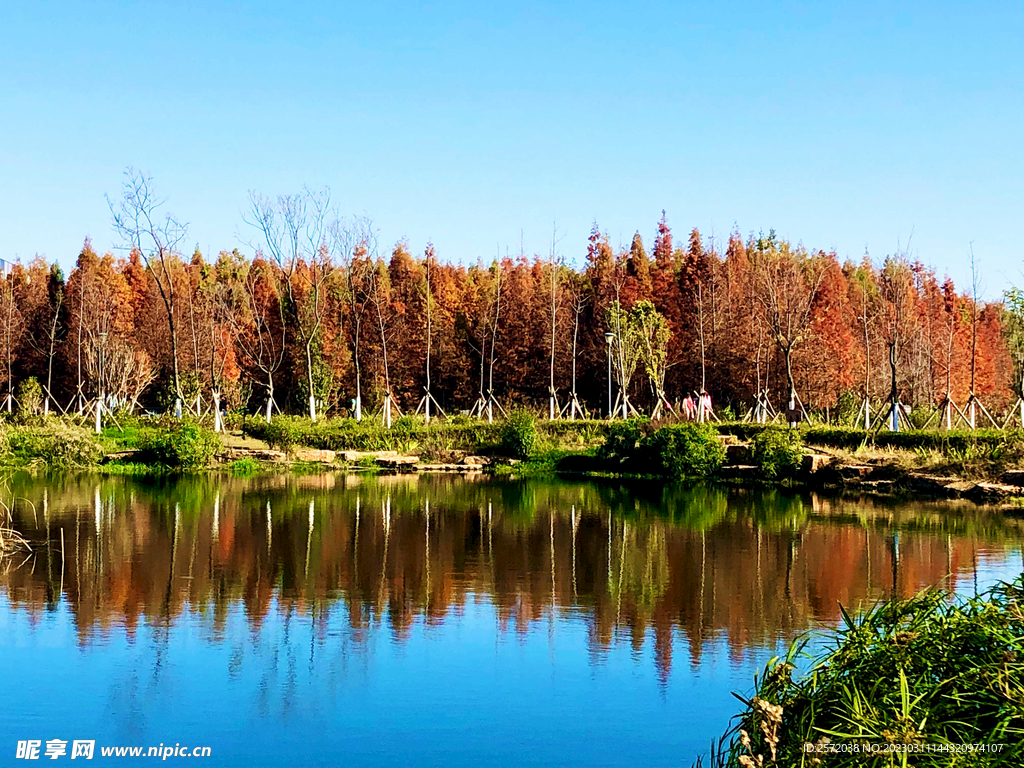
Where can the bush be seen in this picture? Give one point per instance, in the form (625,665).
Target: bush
(280,433)
(30,398)
(518,434)
(687,450)
(186,446)
(778,452)
(623,440)
(55,443)
(246,467)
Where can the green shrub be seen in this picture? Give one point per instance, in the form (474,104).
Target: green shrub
(280,433)
(518,434)
(55,443)
(186,446)
(687,450)
(778,452)
(741,429)
(246,467)
(30,398)
(623,440)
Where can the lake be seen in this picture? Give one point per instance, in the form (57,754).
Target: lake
(436,620)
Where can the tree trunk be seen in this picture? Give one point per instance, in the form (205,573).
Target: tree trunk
(309,378)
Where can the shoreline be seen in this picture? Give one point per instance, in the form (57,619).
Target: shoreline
(878,478)
(985,467)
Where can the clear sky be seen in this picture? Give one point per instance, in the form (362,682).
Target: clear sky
(849,126)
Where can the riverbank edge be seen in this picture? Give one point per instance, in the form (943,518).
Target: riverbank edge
(980,466)
(820,472)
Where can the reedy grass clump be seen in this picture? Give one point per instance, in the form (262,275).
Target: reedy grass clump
(11,541)
(931,670)
(55,443)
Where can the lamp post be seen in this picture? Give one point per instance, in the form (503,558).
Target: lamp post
(609,337)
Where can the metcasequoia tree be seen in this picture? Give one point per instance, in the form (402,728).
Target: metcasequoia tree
(786,282)
(1013,323)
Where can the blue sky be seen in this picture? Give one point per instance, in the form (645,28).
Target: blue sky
(845,126)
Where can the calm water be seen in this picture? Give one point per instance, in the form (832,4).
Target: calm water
(329,620)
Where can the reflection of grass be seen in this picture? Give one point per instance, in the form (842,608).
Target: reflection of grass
(908,672)
(130,468)
(308,468)
(538,464)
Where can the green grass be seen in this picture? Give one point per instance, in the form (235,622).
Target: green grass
(246,467)
(931,670)
(434,441)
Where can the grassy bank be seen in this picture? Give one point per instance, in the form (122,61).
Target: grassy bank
(137,447)
(438,441)
(521,445)
(927,675)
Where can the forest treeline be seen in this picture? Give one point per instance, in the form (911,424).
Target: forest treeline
(317,307)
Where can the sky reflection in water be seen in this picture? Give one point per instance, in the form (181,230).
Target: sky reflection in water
(328,619)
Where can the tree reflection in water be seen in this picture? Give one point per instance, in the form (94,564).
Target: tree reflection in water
(633,561)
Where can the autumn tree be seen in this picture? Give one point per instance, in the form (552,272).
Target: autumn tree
(11,326)
(255,315)
(44,310)
(898,320)
(786,284)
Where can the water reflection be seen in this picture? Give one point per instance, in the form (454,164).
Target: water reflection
(675,564)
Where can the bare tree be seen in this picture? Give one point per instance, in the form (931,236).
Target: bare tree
(490,307)
(355,244)
(295,230)
(380,295)
(864,280)
(125,370)
(137,221)
(554,268)
(578,304)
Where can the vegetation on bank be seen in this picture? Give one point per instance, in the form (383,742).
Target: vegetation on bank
(520,444)
(931,670)
(519,436)
(675,450)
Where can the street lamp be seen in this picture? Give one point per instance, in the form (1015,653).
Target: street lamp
(609,337)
